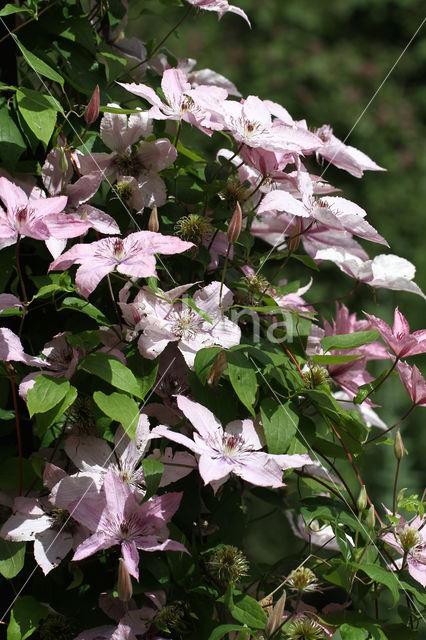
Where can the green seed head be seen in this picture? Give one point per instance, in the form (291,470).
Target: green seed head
(228,564)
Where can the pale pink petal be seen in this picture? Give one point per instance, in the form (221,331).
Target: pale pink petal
(91,545)
(13,196)
(11,348)
(52,475)
(200,417)
(214,469)
(87,452)
(131,557)
(22,528)
(89,275)
(51,547)
(267,474)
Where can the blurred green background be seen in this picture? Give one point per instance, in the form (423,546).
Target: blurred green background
(324,60)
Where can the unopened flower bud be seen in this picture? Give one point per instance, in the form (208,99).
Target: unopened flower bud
(398,447)
(361,503)
(370,519)
(63,160)
(275,618)
(124,583)
(92,109)
(153,222)
(217,369)
(294,240)
(234,228)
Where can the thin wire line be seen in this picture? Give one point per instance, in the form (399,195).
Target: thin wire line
(365,530)
(282,236)
(86,491)
(377,90)
(89,153)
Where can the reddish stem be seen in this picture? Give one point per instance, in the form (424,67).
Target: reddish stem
(293,359)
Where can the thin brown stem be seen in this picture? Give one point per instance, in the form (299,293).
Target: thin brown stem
(24,24)
(22,284)
(321,482)
(382,433)
(114,304)
(11,377)
(374,388)
(337,472)
(395,485)
(222,282)
(163,40)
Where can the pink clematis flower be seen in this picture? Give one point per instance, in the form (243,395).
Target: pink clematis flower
(35,217)
(51,528)
(93,457)
(58,360)
(235,449)
(78,194)
(331,211)
(399,339)
(116,517)
(136,170)
(250,123)
(200,107)
(344,156)
(350,375)
(220,7)
(385,271)
(414,383)
(163,319)
(409,539)
(132,256)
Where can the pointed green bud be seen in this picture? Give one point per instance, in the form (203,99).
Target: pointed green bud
(370,520)
(361,503)
(398,447)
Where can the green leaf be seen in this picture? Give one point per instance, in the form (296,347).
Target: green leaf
(382,576)
(348,632)
(6,414)
(120,408)
(306,260)
(112,370)
(25,617)
(204,361)
(325,360)
(8,9)
(12,144)
(368,388)
(46,393)
(349,340)
(280,424)
(223,630)
(77,304)
(188,153)
(421,597)
(38,112)
(48,418)
(38,65)
(247,610)
(243,378)
(12,558)
(152,471)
